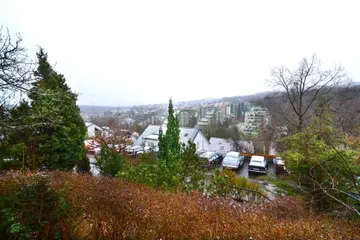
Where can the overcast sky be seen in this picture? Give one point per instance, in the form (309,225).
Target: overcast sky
(143,52)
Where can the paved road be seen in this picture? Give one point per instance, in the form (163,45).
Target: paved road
(253,176)
(270,188)
(244,171)
(93,168)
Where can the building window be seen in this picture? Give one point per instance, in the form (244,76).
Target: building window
(97,132)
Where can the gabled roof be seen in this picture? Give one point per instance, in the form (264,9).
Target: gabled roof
(152,130)
(88,124)
(216,144)
(152,137)
(221,144)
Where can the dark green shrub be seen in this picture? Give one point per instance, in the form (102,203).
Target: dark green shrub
(109,162)
(30,208)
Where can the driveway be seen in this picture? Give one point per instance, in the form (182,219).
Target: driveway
(243,172)
(253,176)
(93,168)
(270,188)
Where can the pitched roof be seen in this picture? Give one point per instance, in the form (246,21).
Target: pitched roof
(88,124)
(218,143)
(227,144)
(151,130)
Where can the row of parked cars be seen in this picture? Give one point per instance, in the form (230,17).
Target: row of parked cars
(138,150)
(129,150)
(93,147)
(232,160)
(235,160)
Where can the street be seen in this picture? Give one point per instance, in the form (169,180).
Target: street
(253,176)
(93,168)
(243,172)
(268,187)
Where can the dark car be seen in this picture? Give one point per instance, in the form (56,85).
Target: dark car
(211,158)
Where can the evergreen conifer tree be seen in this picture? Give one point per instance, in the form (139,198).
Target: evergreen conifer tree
(169,142)
(60,130)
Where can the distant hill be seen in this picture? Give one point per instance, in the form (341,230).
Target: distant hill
(246,98)
(355,84)
(261,95)
(87,109)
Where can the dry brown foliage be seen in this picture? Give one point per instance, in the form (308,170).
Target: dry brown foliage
(116,209)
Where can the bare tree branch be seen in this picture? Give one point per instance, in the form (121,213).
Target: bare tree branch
(300,89)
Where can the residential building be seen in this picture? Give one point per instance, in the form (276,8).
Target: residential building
(106,132)
(153,119)
(150,137)
(93,130)
(254,120)
(221,104)
(257,115)
(228,110)
(185,116)
(249,129)
(128,122)
(219,117)
(223,146)
(212,117)
(203,111)
(239,109)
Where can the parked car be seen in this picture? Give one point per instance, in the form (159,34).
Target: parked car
(211,158)
(97,150)
(133,150)
(87,144)
(94,149)
(276,159)
(148,149)
(280,168)
(114,147)
(233,160)
(142,150)
(258,164)
(91,149)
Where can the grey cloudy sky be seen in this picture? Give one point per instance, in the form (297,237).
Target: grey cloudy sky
(142,52)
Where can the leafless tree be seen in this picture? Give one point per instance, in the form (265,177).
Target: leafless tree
(15,65)
(299,90)
(15,71)
(346,109)
(245,146)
